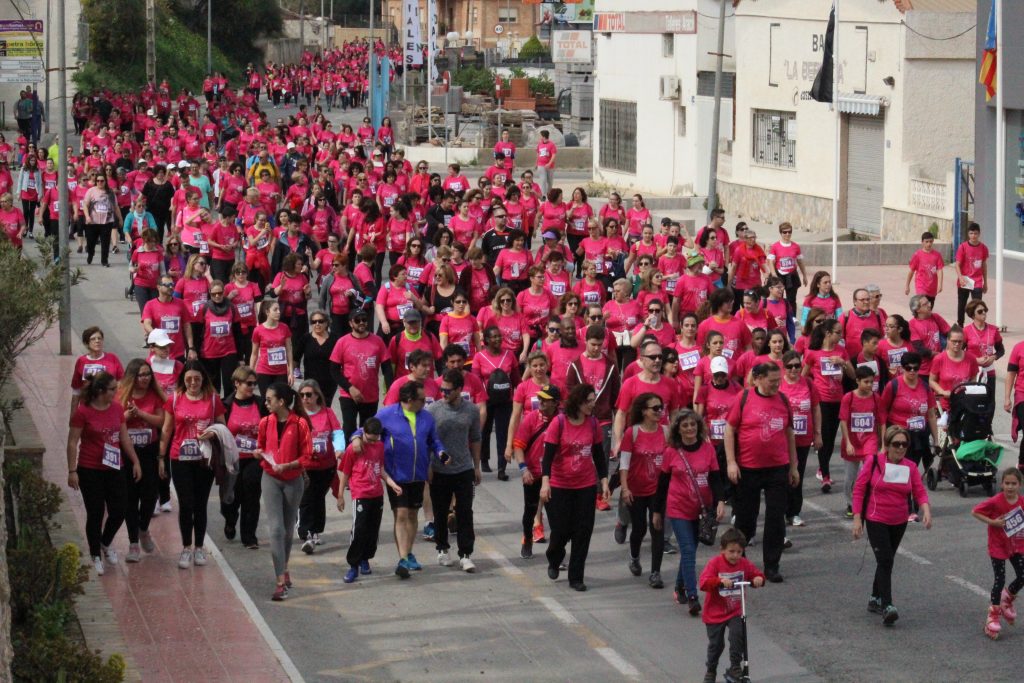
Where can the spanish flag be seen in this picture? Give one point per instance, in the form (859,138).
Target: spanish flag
(988,58)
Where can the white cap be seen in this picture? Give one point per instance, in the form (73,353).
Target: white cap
(291,145)
(141,161)
(183,164)
(719,364)
(159,337)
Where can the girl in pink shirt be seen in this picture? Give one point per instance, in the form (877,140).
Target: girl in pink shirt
(822,297)
(637,217)
(1002,513)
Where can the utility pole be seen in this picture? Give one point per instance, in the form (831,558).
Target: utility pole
(323,28)
(302,28)
(209,37)
(713,166)
(150,40)
(46,93)
(371,54)
(64,308)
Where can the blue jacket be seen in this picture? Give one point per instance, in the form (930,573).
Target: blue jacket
(407,456)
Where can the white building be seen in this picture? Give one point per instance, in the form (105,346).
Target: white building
(907,80)
(653,94)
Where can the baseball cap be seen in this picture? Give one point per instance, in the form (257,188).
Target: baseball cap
(550,235)
(550,393)
(719,364)
(183,164)
(159,337)
(666,221)
(412,316)
(291,145)
(696,258)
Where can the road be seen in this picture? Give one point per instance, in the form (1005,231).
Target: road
(509,622)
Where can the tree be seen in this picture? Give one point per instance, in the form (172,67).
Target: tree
(237,24)
(117,30)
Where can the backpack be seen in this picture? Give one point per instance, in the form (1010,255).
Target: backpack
(499,384)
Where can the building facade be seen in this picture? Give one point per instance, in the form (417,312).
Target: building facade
(906,81)
(480,18)
(653,93)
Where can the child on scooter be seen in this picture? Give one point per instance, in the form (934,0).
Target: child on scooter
(722,608)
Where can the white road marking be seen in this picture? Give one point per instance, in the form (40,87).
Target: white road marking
(557,610)
(618,663)
(913,557)
(505,563)
(254,614)
(974,588)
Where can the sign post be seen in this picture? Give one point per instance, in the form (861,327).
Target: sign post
(21,51)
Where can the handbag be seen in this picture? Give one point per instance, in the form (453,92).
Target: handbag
(707,524)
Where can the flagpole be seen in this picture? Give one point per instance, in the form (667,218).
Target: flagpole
(835,186)
(1000,167)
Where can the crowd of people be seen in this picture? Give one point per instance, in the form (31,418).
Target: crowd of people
(514,330)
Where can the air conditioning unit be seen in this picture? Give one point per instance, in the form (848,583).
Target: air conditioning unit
(669,88)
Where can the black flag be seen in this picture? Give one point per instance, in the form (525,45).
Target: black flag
(822,88)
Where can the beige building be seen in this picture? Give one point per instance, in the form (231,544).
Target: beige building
(481,18)
(907,80)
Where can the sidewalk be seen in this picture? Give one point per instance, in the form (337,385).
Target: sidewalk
(177,625)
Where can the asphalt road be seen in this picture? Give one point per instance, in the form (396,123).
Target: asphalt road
(509,622)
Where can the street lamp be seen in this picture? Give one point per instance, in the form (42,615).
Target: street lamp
(209,37)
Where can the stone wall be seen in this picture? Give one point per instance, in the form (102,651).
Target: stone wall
(904,226)
(805,212)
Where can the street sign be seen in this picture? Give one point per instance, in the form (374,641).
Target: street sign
(21,51)
(499,29)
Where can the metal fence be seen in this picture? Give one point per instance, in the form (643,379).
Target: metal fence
(772,143)
(618,136)
(963,199)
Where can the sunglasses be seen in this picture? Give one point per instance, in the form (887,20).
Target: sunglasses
(504,301)
(787,232)
(981,310)
(653,358)
(911,368)
(657,408)
(901,445)
(597,317)
(143,375)
(358,322)
(553,330)
(654,310)
(793,366)
(306,394)
(319,321)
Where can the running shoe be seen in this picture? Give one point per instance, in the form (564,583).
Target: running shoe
(134,553)
(364,568)
(316,540)
(351,575)
(620,533)
(287,579)
(166,507)
(797,521)
(786,543)
(890,615)
(485,467)
(410,561)
(110,554)
(252,545)
(818,475)
(538,534)
(826,485)
(693,603)
(428,531)
(402,569)
(679,594)
(634,566)
(578,586)
(229,532)
(185,559)
(280,593)
(443,558)
(670,548)
(711,676)
(466,565)
(307,546)
(146,540)
(654,580)
(773,576)
(200,557)
(849,512)
(157,510)
(875,605)
(502,475)
(526,550)
(552,572)
(97,564)
(602,504)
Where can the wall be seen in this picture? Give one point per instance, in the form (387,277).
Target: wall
(457,15)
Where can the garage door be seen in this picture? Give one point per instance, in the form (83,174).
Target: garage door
(864,174)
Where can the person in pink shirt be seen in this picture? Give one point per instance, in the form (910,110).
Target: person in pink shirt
(861,429)
(984,342)
(547,152)
(456,182)
(926,269)
(951,367)
(747,263)
(971,263)
(805,406)
(880,503)
(505,150)
(822,296)
(995,514)
(927,330)
(826,362)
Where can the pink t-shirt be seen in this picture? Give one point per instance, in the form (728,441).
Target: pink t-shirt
(218,341)
(972,260)
(906,407)
(364,470)
(513,264)
(460,330)
(1000,546)
(244,302)
(926,266)
(826,373)
(191,418)
(929,332)
(802,397)
(244,423)
(785,257)
(325,423)
(273,354)
(682,502)
(761,430)
(526,394)
(573,466)
(646,454)
(86,367)
(360,361)
(101,436)
(982,343)
(737,334)
(861,417)
(665,387)
(546,151)
(890,483)
(194,292)
(512,327)
(948,373)
(149,263)
(169,317)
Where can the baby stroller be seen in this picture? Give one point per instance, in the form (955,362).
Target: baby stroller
(968,456)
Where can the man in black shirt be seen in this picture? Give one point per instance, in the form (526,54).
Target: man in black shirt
(495,239)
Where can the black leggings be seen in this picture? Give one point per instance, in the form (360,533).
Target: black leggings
(961,302)
(640,512)
(193,481)
(885,541)
(141,495)
(312,507)
(571,518)
(264,381)
(829,427)
(999,570)
(96,232)
(498,416)
(28,208)
(220,371)
(531,501)
(1019,409)
(103,490)
(795,502)
(244,510)
(350,411)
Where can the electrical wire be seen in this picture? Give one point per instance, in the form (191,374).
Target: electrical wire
(927,37)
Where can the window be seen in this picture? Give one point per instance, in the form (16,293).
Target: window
(508,15)
(618,136)
(706,84)
(774,138)
(668,44)
(681,128)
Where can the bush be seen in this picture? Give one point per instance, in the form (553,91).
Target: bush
(542,86)
(534,50)
(475,80)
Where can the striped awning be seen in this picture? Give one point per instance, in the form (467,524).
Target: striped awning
(864,105)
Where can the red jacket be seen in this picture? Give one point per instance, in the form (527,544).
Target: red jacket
(295,444)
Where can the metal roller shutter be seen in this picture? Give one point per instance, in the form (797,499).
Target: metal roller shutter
(865,180)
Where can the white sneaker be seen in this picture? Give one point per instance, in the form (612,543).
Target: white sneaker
(146,540)
(110,554)
(307,545)
(797,521)
(316,540)
(185,559)
(467,565)
(200,557)
(444,559)
(134,553)
(156,510)
(97,564)
(166,507)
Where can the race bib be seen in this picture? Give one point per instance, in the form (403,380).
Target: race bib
(786,264)
(579,223)
(728,352)
(799,424)
(140,437)
(895,356)
(320,445)
(670,286)
(111,456)
(916,423)
(689,360)
(830,369)
(515,269)
(170,324)
(91,369)
(244,309)
(189,450)
(415,273)
(718,429)
(246,444)
(1013,523)
(896,474)
(534,403)
(196,305)
(220,328)
(734,577)
(558,288)
(862,423)
(277,355)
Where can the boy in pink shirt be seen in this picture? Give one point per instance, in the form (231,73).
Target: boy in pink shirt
(722,609)
(926,269)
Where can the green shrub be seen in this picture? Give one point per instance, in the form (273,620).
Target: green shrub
(534,50)
(542,86)
(475,80)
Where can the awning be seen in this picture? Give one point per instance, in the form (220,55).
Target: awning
(864,105)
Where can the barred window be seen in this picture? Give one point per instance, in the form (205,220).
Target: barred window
(774,138)
(618,136)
